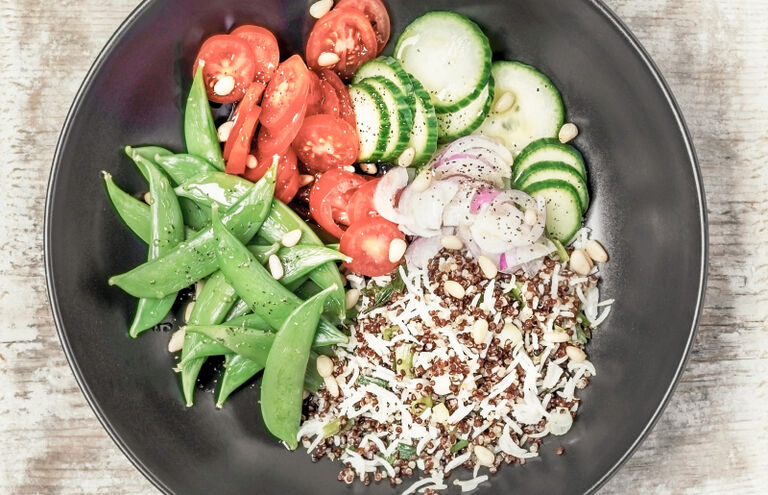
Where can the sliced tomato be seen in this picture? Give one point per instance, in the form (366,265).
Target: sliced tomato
(229,61)
(277,141)
(361,205)
(347,33)
(315,96)
(377,15)
(242,147)
(286,94)
(287,183)
(325,142)
(330,102)
(266,53)
(330,196)
(242,113)
(367,243)
(346,110)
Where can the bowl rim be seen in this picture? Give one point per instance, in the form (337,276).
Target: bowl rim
(621,28)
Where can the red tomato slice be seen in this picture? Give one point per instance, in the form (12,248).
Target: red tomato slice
(325,142)
(263,162)
(329,197)
(315,97)
(238,157)
(266,53)
(347,33)
(251,99)
(346,110)
(277,142)
(286,94)
(377,15)
(330,103)
(367,243)
(360,204)
(287,184)
(226,57)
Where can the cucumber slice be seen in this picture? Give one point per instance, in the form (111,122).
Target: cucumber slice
(563,209)
(543,171)
(537,111)
(424,132)
(549,150)
(462,122)
(400,115)
(449,55)
(387,67)
(372,121)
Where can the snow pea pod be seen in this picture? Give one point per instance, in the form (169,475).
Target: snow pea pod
(196,258)
(282,386)
(150,152)
(182,167)
(250,343)
(298,261)
(210,187)
(133,212)
(327,335)
(240,308)
(199,129)
(166,231)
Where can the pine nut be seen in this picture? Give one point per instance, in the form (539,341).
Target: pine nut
(291,238)
(177,340)
(199,288)
(327,59)
(556,337)
(504,102)
(352,297)
(147,198)
(188,311)
(324,366)
(581,262)
(575,354)
(510,333)
(306,180)
(487,266)
(305,396)
(530,217)
(440,413)
(568,133)
(479,331)
(225,130)
(369,168)
(332,386)
(422,181)
(320,8)
(396,250)
(484,456)
(251,162)
(276,267)
(406,157)
(454,289)
(451,242)
(224,85)
(596,251)
(350,168)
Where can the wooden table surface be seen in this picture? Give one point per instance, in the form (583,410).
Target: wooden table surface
(713,436)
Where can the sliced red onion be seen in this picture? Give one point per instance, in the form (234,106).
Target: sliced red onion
(386,192)
(457,211)
(424,210)
(521,256)
(471,166)
(421,250)
(475,142)
(503,262)
(482,197)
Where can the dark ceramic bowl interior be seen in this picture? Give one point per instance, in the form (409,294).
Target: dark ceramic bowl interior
(648,211)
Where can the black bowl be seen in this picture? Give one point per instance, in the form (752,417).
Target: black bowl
(648,210)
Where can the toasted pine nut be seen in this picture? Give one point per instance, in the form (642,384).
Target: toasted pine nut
(454,289)
(510,333)
(581,262)
(352,297)
(224,85)
(451,242)
(199,288)
(556,337)
(350,168)
(596,251)
(484,456)
(575,354)
(305,395)
(487,266)
(504,103)
(147,198)
(326,59)
(324,366)
(306,180)
(188,311)
(251,162)
(568,132)
(177,340)
(396,250)
(440,413)
(332,386)
(320,8)
(369,168)
(479,331)
(224,130)
(406,157)
(422,181)
(530,217)
(276,267)
(291,238)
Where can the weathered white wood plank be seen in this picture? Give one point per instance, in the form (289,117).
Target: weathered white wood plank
(712,438)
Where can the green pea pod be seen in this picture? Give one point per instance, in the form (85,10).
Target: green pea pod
(183,167)
(237,371)
(282,386)
(248,342)
(166,231)
(199,129)
(196,258)
(298,261)
(326,336)
(133,212)
(214,187)
(240,308)
(252,282)
(196,217)
(150,152)
(307,290)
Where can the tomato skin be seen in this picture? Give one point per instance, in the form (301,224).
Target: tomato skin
(264,47)
(376,13)
(330,100)
(326,142)
(286,94)
(225,55)
(330,196)
(269,142)
(347,33)
(367,243)
(360,206)
(315,96)
(346,110)
(251,99)
(287,182)
(238,157)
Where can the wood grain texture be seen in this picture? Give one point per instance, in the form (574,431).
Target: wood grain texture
(713,436)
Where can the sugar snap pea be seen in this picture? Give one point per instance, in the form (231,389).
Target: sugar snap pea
(250,343)
(298,261)
(182,167)
(195,258)
(282,386)
(210,187)
(150,152)
(240,308)
(166,231)
(199,129)
(133,212)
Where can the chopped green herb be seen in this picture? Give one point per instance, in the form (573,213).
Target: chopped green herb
(418,406)
(584,320)
(365,380)
(390,332)
(562,253)
(406,451)
(381,295)
(582,335)
(332,428)
(460,444)
(517,292)
(404,360)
